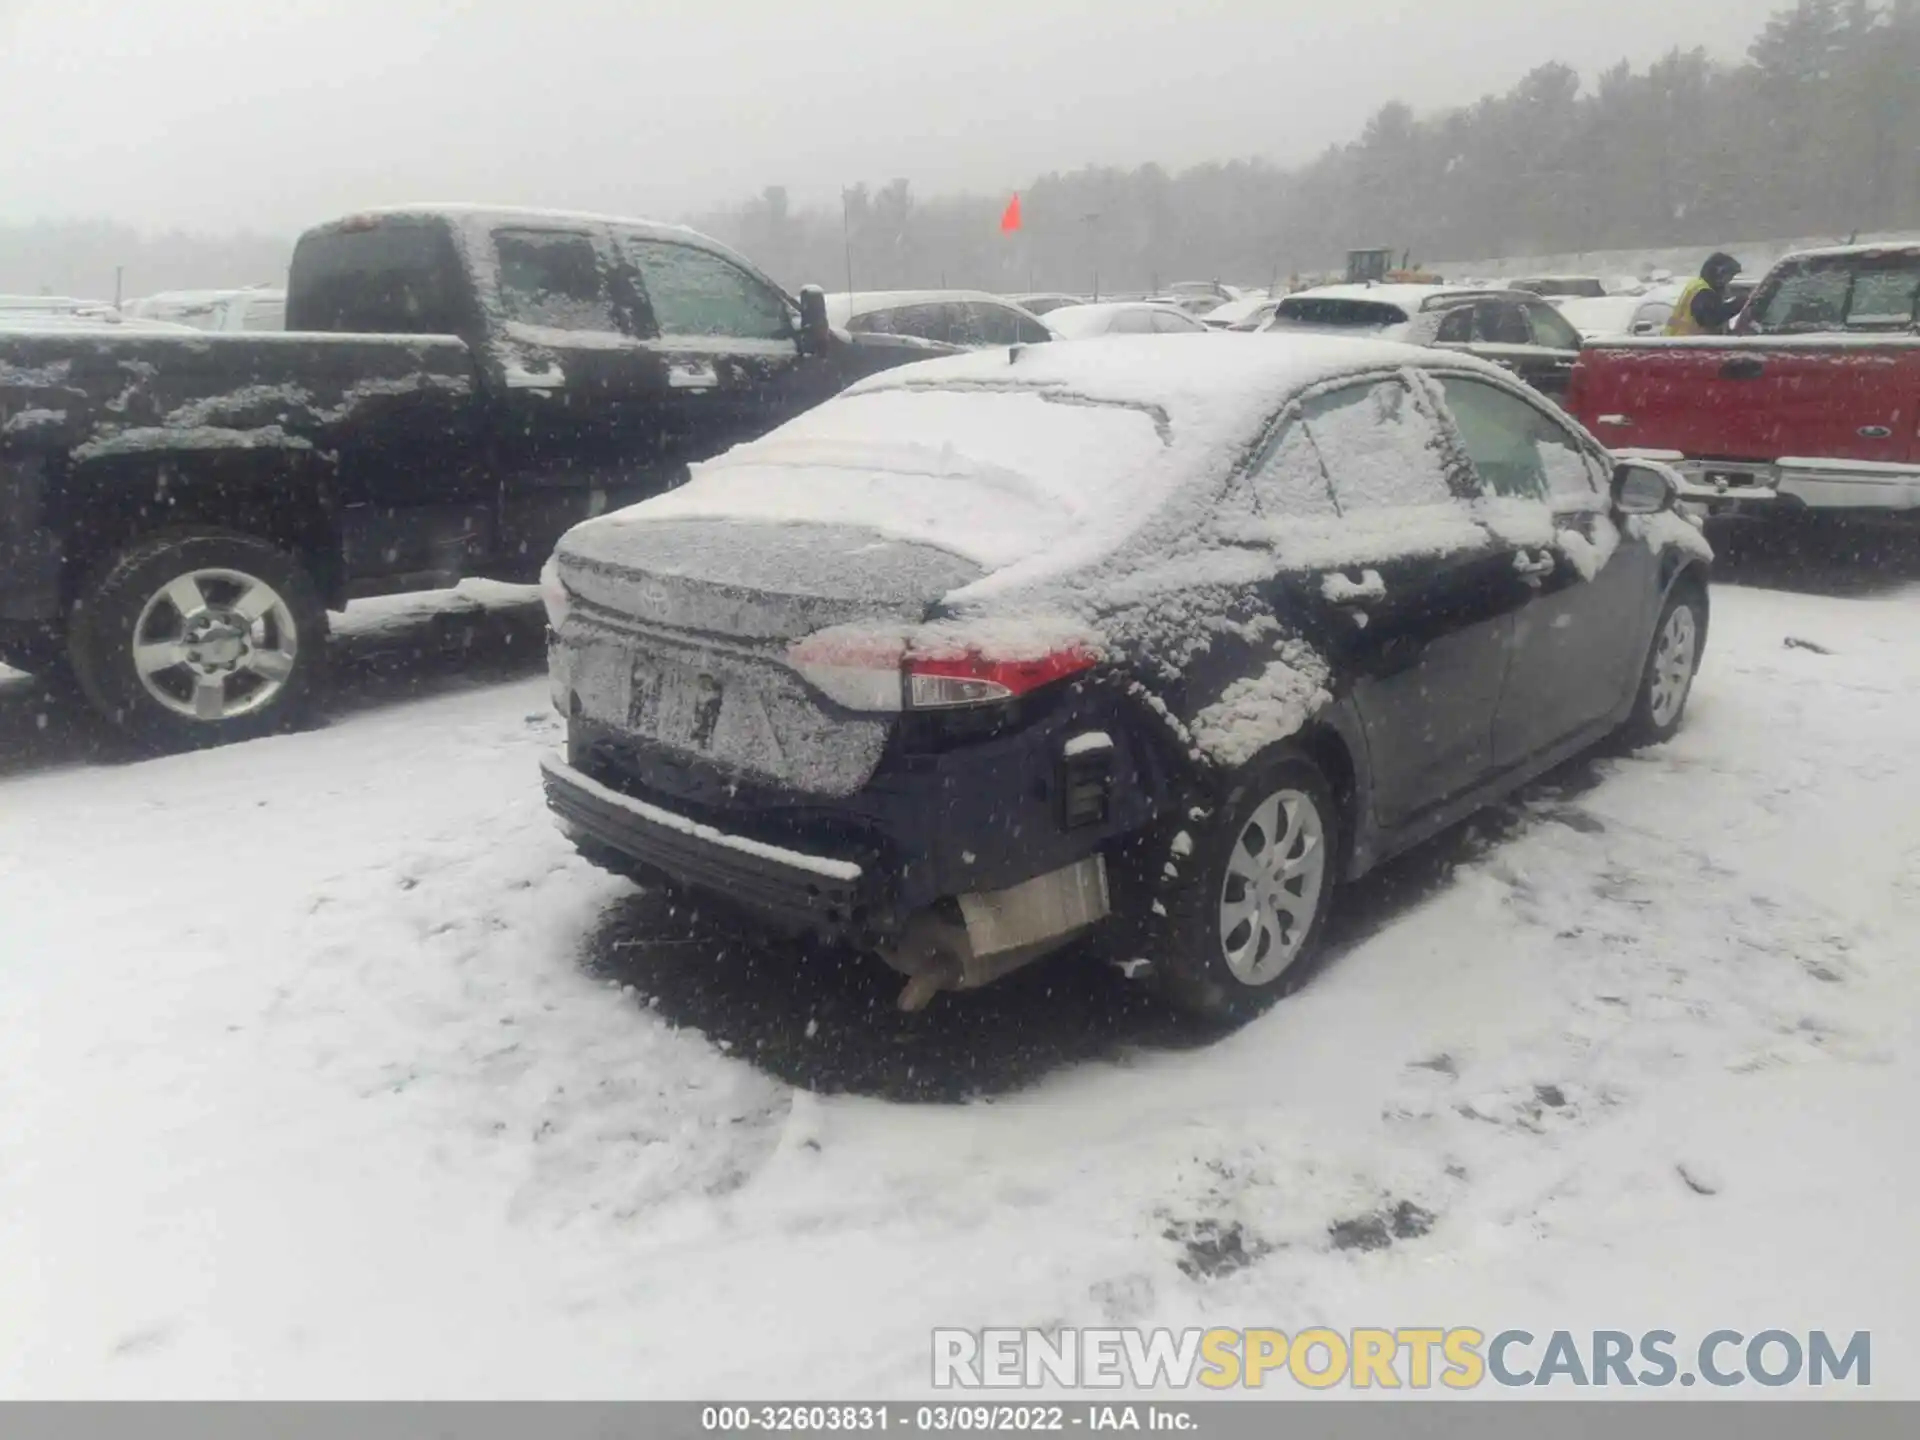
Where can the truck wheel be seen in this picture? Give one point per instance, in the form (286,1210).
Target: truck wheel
(1667,678)
(1251,890)
(195,638)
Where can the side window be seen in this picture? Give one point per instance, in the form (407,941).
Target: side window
(1457,328)
(1884,296)
(1131,322)
(993,324)
(1518,451)
(1500,323)
(1810,299)
(1289,479)
(554,279)
(1377,446)
(927,322)
(1165,322)
(954,323)
(1551,328)
(695,292)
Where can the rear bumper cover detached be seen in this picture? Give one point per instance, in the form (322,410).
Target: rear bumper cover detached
(805,890)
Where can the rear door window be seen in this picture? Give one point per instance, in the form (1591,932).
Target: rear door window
(1500,322)
(1883,297)
(554,279)
(1377,446)
(694,292)
(1289,479)
(1456,328)
(1131,322)
(947,323)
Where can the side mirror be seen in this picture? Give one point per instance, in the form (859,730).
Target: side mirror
(1643,489)
(814,330)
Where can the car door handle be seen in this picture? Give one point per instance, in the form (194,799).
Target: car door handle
(1532,568)
(1397,655)
(1744,367)
(1875,432)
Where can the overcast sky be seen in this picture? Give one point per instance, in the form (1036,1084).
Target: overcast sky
(271,114)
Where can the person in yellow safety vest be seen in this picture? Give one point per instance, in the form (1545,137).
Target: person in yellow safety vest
(1704,307)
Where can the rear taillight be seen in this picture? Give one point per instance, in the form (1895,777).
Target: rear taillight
(940,682)
(877,670)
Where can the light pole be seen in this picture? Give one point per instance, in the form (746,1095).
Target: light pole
(1092,219)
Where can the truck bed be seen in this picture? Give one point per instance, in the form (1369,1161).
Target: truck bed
(96,394)
(1828,421)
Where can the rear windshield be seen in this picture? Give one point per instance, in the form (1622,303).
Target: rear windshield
(393,277)
(1338,314)
(1568,286)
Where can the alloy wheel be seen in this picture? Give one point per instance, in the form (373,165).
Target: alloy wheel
(214,644)
(1673,663)
(1276,873)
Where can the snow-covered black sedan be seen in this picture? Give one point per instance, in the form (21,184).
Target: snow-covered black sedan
(1149,643)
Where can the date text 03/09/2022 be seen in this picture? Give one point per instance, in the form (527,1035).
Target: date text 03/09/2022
(975,1419)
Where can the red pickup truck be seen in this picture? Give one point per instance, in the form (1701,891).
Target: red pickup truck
(1812,404)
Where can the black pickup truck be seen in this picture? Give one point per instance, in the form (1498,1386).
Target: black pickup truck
(457,386)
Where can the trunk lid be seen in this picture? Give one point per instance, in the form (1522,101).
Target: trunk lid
(678,638)
(751,581)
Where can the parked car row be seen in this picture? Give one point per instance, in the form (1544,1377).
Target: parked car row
(256,307)
(1511,328)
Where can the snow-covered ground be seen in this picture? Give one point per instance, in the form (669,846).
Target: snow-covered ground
(329,1071)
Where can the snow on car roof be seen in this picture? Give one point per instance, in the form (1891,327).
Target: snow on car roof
(486,217)
(843,306)
(1240,309)
(192,297)
(1411,298)
(1078,321)
(1031,462)
(1845,252)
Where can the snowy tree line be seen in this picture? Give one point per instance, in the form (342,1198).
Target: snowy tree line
(1817,132)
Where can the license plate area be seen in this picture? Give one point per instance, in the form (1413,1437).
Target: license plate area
(682,708)
(738,714)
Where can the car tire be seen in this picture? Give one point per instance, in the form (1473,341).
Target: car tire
(1231,945)
(199,637)
(1666,678)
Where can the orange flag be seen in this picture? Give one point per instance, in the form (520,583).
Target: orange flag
(1010,217)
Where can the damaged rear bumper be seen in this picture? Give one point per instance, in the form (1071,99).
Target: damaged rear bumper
(805,891)
(981,936)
